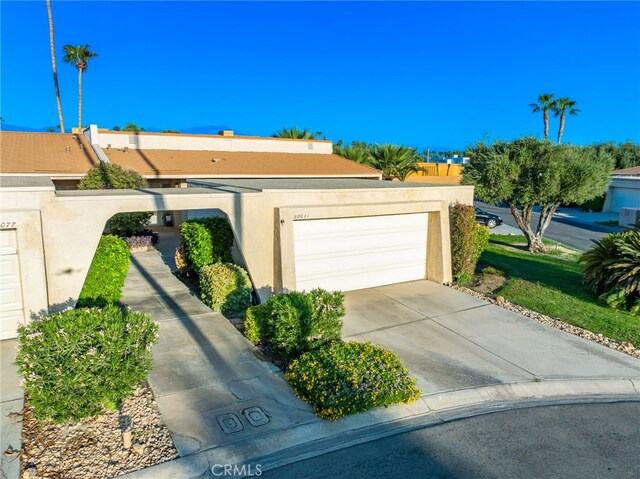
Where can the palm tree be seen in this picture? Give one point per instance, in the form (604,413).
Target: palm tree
(357,151)
(561,107)
(295,132)
(54,66)
(545,103)
(396,162)
(79,57)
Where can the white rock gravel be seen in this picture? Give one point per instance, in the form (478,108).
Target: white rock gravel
(623,347)
(92,448)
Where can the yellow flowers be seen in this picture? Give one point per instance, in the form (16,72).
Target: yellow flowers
(346,378)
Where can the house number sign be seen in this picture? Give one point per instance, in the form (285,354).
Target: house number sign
(5,225)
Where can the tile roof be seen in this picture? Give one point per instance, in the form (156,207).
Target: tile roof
(235,163)
(55,153)
(633,171)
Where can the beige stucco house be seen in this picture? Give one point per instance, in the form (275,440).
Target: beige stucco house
(301,216)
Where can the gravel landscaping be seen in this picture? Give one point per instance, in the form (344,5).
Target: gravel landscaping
(623,347)
(93,447)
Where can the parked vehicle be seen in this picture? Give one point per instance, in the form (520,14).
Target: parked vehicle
(488,219)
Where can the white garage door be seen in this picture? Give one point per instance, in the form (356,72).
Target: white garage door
(625,198)
(355,253)
(11,309)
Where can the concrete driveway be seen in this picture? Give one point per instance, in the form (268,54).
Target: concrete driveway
(450,340)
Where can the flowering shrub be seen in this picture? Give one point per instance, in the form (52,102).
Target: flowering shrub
(346,378)
(106,275)
(143,241)
(77,362)
(296,322)
(226,287)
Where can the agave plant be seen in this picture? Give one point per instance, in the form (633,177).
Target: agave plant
(612,269)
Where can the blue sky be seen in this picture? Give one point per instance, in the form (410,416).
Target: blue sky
(418,73)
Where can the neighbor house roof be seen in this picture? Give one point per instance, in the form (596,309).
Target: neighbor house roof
(633,171)
(42,153)
(68,155)
(236,163)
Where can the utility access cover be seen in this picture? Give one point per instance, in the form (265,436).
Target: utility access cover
(230,423)
(256,416)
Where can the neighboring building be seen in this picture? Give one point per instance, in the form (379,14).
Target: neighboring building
(301,216)
(437,173)
(624,190)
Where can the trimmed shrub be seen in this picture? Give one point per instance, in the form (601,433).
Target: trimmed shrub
(295,322)
(256,322)
(468,240)
(106,275)
(346,378)
(206,241)
(612,269)
(225,287)
(106,176)
(78,362)
(129,224)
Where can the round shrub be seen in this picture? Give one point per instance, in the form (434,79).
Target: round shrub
(225,287)
(346,378)
(78,362)
(295,322)
(106,275)
(256,323)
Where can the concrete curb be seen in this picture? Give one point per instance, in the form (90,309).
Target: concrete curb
(279,448)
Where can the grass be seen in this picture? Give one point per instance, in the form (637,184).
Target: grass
(552,285)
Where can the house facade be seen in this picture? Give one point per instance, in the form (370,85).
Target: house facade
(301,216)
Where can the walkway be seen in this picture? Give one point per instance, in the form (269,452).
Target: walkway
(206,376)
(11,402)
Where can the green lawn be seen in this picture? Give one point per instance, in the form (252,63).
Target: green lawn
(552,285)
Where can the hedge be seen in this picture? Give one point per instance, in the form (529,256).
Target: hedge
(78,362)
(346,378)
(226,287)
(468,241)
(206,241)
(106,275)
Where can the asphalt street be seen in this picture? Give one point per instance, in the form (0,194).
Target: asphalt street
(577,236)
(568,441)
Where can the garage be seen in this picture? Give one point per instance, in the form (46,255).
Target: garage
(360,252)
(625,198)
(11,306)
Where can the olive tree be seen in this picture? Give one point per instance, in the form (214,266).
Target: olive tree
(527,172)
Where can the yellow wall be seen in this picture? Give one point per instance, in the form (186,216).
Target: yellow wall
(437,173)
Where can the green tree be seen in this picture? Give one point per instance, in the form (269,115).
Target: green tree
(107,176)
(527,172)
(296,133)
(132,127)
(561,107)
(395,162)
(79,57)
(170,131)
(544,104)
(54,67)
(116,128)
(626,154)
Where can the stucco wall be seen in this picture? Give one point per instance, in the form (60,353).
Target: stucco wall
(73,221)
(188,142)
